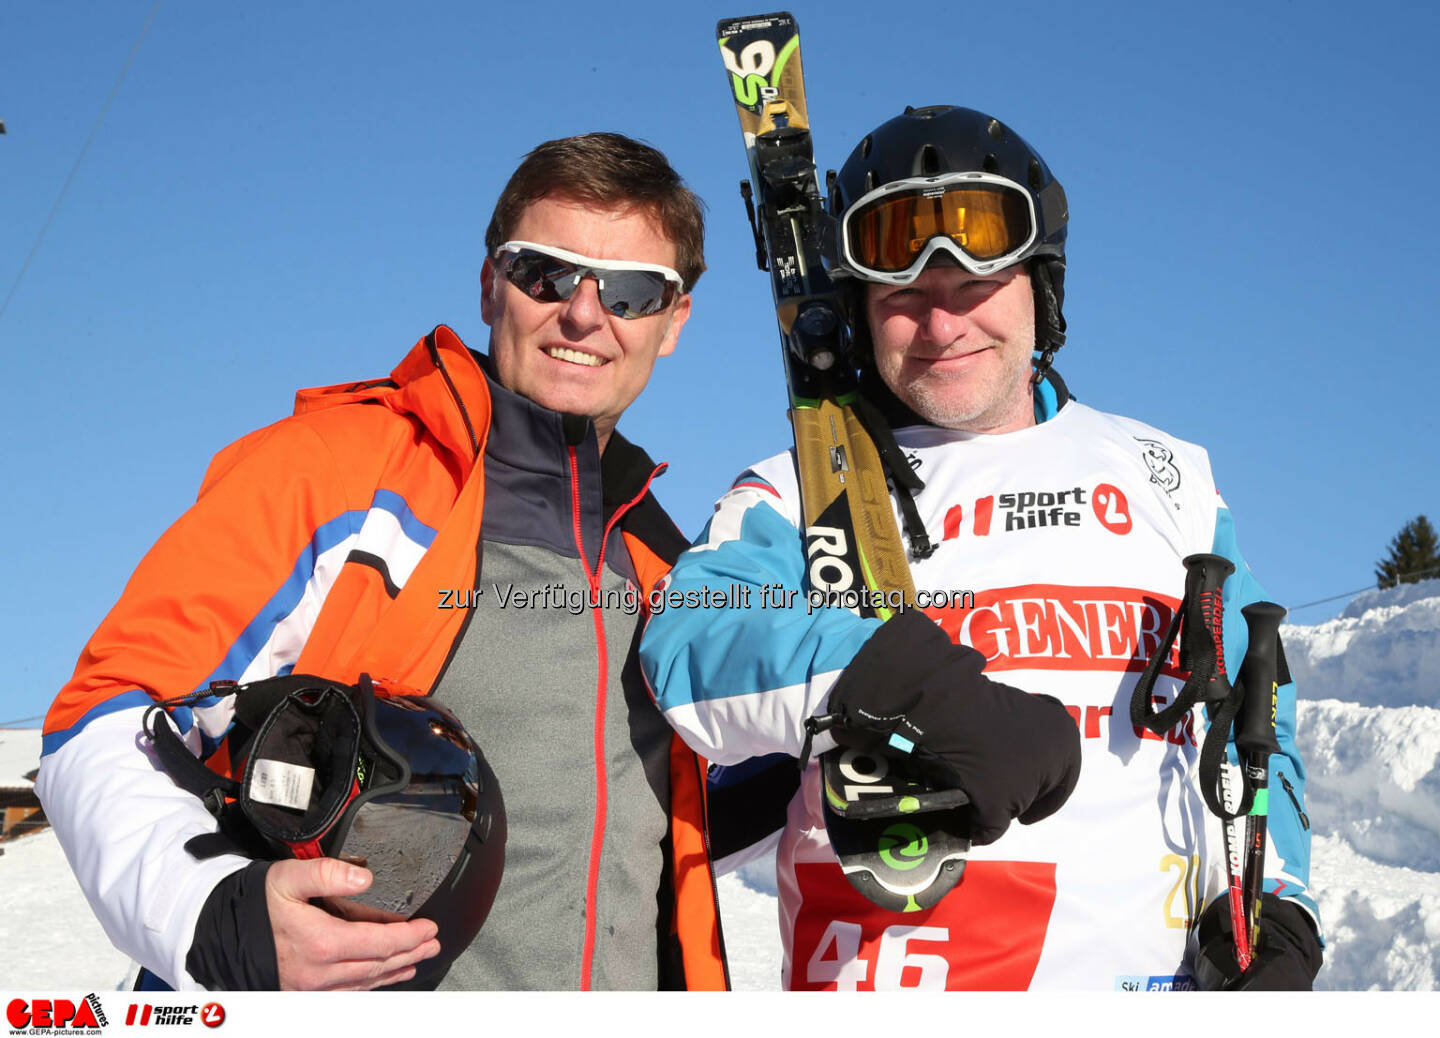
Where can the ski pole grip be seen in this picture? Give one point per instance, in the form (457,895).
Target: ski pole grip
(1204,657)
(1259,672)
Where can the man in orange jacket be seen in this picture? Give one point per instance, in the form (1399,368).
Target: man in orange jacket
(348,539)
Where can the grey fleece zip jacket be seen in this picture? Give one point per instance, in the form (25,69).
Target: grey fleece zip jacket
(545,678)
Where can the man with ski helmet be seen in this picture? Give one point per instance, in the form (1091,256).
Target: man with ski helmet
(1046,552)
(952,189)
(472,526)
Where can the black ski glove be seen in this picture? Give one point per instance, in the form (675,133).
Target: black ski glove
(1288,958)
(1015,755)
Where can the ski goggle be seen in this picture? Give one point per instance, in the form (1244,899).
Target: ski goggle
(984,221)
(551,275)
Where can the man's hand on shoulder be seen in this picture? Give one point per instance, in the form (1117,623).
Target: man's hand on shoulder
(318,951)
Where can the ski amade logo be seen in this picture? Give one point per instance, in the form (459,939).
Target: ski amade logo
(55,1016)
(1169,982)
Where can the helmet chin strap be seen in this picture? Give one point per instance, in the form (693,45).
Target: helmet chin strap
(1049,321)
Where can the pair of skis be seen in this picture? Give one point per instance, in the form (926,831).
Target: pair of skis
(897,840)
(1248,708)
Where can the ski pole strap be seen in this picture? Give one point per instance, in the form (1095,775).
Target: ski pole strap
(1212,759)
(1142,711)
(1199,623)
(1202,653)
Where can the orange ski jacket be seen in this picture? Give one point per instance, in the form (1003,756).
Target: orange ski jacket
(384,493)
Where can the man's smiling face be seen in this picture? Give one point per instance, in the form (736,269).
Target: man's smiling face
(956,346)
(574,356)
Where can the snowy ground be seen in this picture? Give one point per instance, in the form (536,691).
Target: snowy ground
(49,938)
(1369,732)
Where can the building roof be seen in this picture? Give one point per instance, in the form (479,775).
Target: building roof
(19,757)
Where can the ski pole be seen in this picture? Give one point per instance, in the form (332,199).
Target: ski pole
(1199,621)
(1205,658)
(1255,740)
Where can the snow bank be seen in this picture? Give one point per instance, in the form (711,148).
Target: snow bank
(1375,779)
(1387,654)
(1369,732)
(1401,595)
(1382,923)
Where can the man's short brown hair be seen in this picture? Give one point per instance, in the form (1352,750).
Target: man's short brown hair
(609,170)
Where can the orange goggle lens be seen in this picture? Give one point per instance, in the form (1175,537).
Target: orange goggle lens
(985,220)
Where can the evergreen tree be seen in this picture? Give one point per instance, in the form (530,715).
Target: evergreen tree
(1414,555)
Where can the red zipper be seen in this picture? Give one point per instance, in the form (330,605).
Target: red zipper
(597,835)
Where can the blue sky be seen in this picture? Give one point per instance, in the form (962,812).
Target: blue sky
(291,194)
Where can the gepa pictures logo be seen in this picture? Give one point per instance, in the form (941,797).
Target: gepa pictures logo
(55,1016)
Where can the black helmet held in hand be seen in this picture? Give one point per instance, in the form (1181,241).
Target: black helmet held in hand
(393,783)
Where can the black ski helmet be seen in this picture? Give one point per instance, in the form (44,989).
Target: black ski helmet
(942,139)
(391,782)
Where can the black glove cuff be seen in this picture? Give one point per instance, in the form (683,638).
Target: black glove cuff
(234,947)
(888,676)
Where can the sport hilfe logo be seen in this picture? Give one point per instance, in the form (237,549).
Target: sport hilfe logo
(55,1015)
(142,1014)
(145,1015)
(1016,511)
